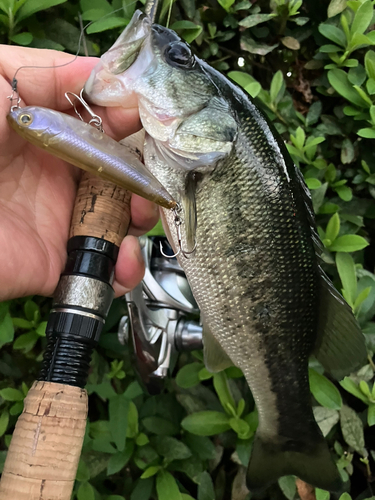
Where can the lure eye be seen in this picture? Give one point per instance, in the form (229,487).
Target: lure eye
(25,119)
(179,54)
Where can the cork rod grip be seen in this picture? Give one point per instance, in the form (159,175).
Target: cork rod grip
(43,456)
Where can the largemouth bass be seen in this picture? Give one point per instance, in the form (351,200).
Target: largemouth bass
(86,147)
(265,302)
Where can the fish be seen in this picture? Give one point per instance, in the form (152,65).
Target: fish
(247,220)
(88,148)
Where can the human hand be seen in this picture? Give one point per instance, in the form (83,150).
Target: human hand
(37,190)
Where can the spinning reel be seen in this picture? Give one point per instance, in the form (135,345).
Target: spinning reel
(163,316)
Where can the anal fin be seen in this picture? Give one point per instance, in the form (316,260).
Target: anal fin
(215,358)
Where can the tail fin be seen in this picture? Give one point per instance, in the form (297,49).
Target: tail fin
(313,464)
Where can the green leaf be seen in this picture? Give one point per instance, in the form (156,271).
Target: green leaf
(223,391)
(253,89)
(10,394)
(255,47)
(6,329)
(370,63)
(118,419)
(26,341)
(362,18)
(349,243)
(333,227)
(32,6)
(226,4)
(132,429)
(255,19)
(83,472)
(160,426)
(276,86)
(313,183)
(206,488)
(85,492)
(188,376)
(108,23)
(322,494)
(324,391)
(4,420)
(142,490)
(95,14)
(22,323)
(363,94)
(151,471)
(166,486)
(349,385)
(339,81)
(190,30)
(336,7)
(367,133)
(288,486)
(22,38)
(347,151)
(120,459)
(206,423)
(290,42)
(344,192)
(133,390)
(41,330)
(345,496)
(329,48)
(314,113)
(170,448)
(201,446)
(352,429)
(346,269)
(313,141)
(31,309)
(240,427)
(371,415)
(326,418)
(333,33)
(362,296)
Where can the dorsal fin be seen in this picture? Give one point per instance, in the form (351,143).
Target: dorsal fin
(340,345)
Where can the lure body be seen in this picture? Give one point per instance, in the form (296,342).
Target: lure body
(86,147)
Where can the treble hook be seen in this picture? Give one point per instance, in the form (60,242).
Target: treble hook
(178,223)
(15,96)
(96,121)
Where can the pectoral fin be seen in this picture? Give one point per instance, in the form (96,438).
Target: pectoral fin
(215,358)
(190,210)
(341,345)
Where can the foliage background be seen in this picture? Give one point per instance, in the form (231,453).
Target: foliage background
(312,68)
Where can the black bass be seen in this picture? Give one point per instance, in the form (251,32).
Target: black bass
(264,299)
(86,147)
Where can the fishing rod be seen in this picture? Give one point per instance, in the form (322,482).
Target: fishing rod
(44,452)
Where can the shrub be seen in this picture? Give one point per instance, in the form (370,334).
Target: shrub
(311,67)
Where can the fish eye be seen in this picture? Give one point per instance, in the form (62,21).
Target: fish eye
(179,54)
(25,119)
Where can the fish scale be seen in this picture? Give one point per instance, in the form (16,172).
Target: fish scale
(247,283)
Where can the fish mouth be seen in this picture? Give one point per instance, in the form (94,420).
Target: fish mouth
(111,81)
